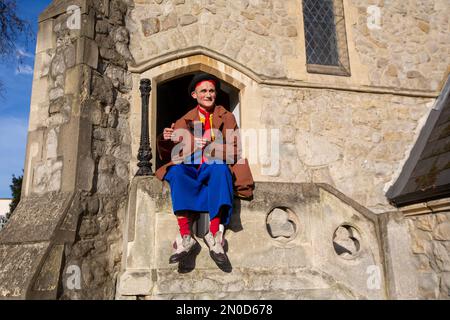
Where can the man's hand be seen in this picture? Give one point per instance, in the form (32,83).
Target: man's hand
(168,133)
(200,143)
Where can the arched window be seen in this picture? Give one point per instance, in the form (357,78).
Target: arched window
(325,37)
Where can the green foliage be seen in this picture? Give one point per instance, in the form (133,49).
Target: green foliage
(16,190)
(3,221)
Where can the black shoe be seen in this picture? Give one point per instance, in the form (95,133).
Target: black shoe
(219,258)
(216,250)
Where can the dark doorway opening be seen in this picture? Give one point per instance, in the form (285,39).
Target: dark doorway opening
(174,101)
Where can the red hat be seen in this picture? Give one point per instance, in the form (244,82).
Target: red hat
(198,78)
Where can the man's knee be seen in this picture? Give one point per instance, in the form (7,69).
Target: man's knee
(174,171)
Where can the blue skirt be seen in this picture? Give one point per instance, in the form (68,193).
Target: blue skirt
(208,188)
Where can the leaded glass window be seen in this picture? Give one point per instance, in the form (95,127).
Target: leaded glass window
(325,38)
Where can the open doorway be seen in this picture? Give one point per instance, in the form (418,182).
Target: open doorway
(174,101)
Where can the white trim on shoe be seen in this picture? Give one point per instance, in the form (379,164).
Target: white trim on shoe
(182,248)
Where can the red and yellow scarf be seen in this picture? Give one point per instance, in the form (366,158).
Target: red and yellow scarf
(207,124)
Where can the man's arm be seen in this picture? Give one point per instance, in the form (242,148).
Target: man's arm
(164,147)
(176,143)
(165,143)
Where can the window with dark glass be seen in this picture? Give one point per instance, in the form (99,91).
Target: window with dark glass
(325,39)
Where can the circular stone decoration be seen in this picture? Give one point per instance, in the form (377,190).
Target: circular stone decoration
(280,223)
(346,241)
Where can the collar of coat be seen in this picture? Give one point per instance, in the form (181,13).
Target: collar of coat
(218,113)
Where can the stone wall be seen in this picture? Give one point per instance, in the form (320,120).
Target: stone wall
(351,140)
(409,50)
(97,249)
(357,142)
(164,26)
(430,235)
(79,146)
(357,137)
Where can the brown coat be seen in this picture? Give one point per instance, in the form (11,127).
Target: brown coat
(222,120)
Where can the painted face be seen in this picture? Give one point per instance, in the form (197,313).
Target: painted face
(205,94)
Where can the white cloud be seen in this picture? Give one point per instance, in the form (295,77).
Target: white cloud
(23,53)
(24,69)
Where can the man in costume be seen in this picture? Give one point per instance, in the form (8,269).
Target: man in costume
(204,168)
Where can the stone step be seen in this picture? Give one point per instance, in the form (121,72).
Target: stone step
(294,240)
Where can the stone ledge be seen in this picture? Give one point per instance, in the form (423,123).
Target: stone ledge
(243,283)
(255,282)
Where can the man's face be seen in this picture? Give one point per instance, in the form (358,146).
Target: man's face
(205,94)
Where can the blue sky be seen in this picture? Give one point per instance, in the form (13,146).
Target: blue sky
(15,103)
